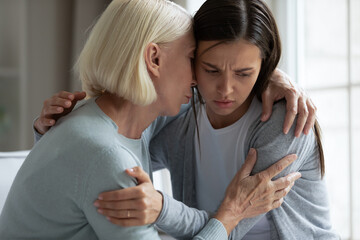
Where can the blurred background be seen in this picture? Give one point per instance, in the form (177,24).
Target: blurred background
(41,39)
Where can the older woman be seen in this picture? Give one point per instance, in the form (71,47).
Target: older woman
(135,66)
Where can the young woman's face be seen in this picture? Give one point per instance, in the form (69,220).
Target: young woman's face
(175,87)
(226,75)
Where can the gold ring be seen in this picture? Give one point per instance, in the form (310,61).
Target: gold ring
(128,214)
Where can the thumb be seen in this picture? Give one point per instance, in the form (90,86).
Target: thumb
(248,166)
(267,104)
(139,174)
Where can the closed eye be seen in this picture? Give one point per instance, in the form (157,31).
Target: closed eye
(211,71)
(243,74)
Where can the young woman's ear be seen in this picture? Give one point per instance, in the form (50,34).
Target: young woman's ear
(152,54)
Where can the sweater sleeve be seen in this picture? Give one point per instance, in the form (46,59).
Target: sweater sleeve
(305,211)
(37,135)
(183,222)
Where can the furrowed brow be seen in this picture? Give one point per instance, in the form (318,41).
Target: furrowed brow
(210,65)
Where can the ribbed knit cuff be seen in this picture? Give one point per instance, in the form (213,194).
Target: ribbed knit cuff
(37,135)
(213,230)
(161,220)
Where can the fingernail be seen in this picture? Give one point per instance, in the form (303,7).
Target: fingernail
(100,197)
(131,170)
(263,117)
(67,103)
(100,211)
(108,218)
(96,204)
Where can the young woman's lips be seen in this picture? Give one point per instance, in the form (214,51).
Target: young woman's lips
(224,104)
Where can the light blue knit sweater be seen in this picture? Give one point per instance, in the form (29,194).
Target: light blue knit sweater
(83,155)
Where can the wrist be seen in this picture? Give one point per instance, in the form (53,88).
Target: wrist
(37,128)
(160,203)
(227,218)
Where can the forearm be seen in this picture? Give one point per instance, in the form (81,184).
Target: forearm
(181,221)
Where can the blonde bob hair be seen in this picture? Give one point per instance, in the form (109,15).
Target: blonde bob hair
(113,58)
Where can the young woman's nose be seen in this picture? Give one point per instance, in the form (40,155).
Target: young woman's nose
(224,85)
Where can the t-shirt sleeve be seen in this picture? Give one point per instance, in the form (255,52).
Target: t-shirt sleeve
(107,174)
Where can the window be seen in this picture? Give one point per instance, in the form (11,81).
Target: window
(327,64)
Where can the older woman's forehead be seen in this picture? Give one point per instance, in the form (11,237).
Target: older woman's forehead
(188,41)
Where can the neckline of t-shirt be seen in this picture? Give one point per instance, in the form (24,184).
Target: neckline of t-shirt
(230,127)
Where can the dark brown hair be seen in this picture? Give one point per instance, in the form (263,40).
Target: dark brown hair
(251,20)
(232,20)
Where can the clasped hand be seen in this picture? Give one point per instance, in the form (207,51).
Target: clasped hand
(133,206)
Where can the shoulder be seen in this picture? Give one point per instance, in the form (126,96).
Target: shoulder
(110,166)
(273,128)
(87,138)
(106,172)
(272,144)
(86,127)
